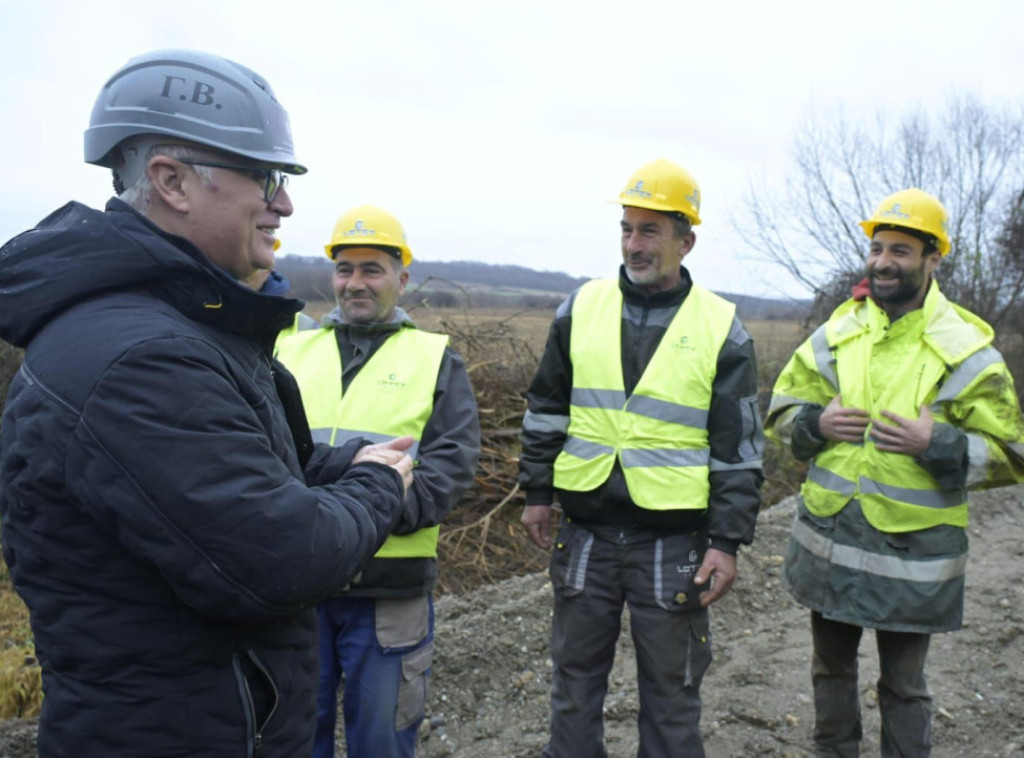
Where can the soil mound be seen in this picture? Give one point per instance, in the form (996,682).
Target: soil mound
(489,693)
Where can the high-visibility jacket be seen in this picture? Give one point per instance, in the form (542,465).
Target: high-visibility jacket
(940,356)
(659,433)
(391,396)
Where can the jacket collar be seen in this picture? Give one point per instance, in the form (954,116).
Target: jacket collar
(336,318)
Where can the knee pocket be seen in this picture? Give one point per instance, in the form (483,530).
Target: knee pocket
(412,689)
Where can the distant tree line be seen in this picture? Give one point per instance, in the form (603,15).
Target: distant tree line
(471,284)
(310,276)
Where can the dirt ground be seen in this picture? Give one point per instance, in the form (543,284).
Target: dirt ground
(489,693)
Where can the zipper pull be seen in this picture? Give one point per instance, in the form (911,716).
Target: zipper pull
(257,744)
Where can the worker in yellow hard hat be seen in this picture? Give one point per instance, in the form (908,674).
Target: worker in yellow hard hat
(642,421)
(902,405)
(376,638)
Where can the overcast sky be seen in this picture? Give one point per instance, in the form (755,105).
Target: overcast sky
(498,132)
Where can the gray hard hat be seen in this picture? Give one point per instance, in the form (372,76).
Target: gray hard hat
(191,96)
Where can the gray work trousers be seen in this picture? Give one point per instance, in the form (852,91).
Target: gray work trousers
(593,578)
(903,700)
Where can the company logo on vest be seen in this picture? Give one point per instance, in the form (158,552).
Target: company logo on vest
(683,344)
(392,382)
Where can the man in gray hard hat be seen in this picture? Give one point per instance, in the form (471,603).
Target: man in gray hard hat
(166,515)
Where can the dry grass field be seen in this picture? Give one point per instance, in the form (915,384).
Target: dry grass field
(773,340)
(21,689)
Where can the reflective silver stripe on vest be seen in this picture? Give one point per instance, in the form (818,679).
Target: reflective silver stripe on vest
(823,357)
(324,435)
(977,459)
(584,449)
(967,372)
(923,498)
(940,570)
(583,397)
(664,457)
(545,423)
(830,481)
(717,465)
(662,410)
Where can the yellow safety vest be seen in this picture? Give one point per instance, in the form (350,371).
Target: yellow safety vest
(935,365)
(392,395)
(301,322)
(660,442)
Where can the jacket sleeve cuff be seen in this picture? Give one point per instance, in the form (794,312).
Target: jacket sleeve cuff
(540,497)
(807,438)
(812,421)
(726,546)
(946,457)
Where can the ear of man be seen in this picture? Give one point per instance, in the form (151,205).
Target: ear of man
(171,183)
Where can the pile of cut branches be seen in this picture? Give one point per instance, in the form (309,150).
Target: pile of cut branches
(482,541)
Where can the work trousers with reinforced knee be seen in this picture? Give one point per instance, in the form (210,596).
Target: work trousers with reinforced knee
(903,700)
(379,650)
(593,578)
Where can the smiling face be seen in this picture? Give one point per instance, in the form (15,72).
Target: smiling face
(232,223)
(651,250)
(899,271)
(367,284)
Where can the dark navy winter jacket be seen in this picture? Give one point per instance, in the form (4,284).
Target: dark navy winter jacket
(168,538)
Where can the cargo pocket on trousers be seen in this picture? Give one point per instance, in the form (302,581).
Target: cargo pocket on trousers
(677,558)
(401,622)
(569,559)
(412,690)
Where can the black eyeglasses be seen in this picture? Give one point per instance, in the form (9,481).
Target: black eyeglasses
(273,178)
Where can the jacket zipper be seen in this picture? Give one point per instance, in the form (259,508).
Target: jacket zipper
(257,740)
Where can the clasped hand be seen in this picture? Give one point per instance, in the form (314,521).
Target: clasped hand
(391,453)
(846,424)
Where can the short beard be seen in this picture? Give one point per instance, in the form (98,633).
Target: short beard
(902,294)
(647,277)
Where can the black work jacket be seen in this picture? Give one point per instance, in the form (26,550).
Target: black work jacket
(165,515)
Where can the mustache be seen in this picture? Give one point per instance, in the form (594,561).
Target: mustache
(894,272)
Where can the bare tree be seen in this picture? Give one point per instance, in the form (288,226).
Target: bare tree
(970,156)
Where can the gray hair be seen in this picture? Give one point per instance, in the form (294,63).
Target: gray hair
(134,177)
(680,224)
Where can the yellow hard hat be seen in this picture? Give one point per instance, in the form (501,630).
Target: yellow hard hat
(663,186)
(912,209)
(368,226)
